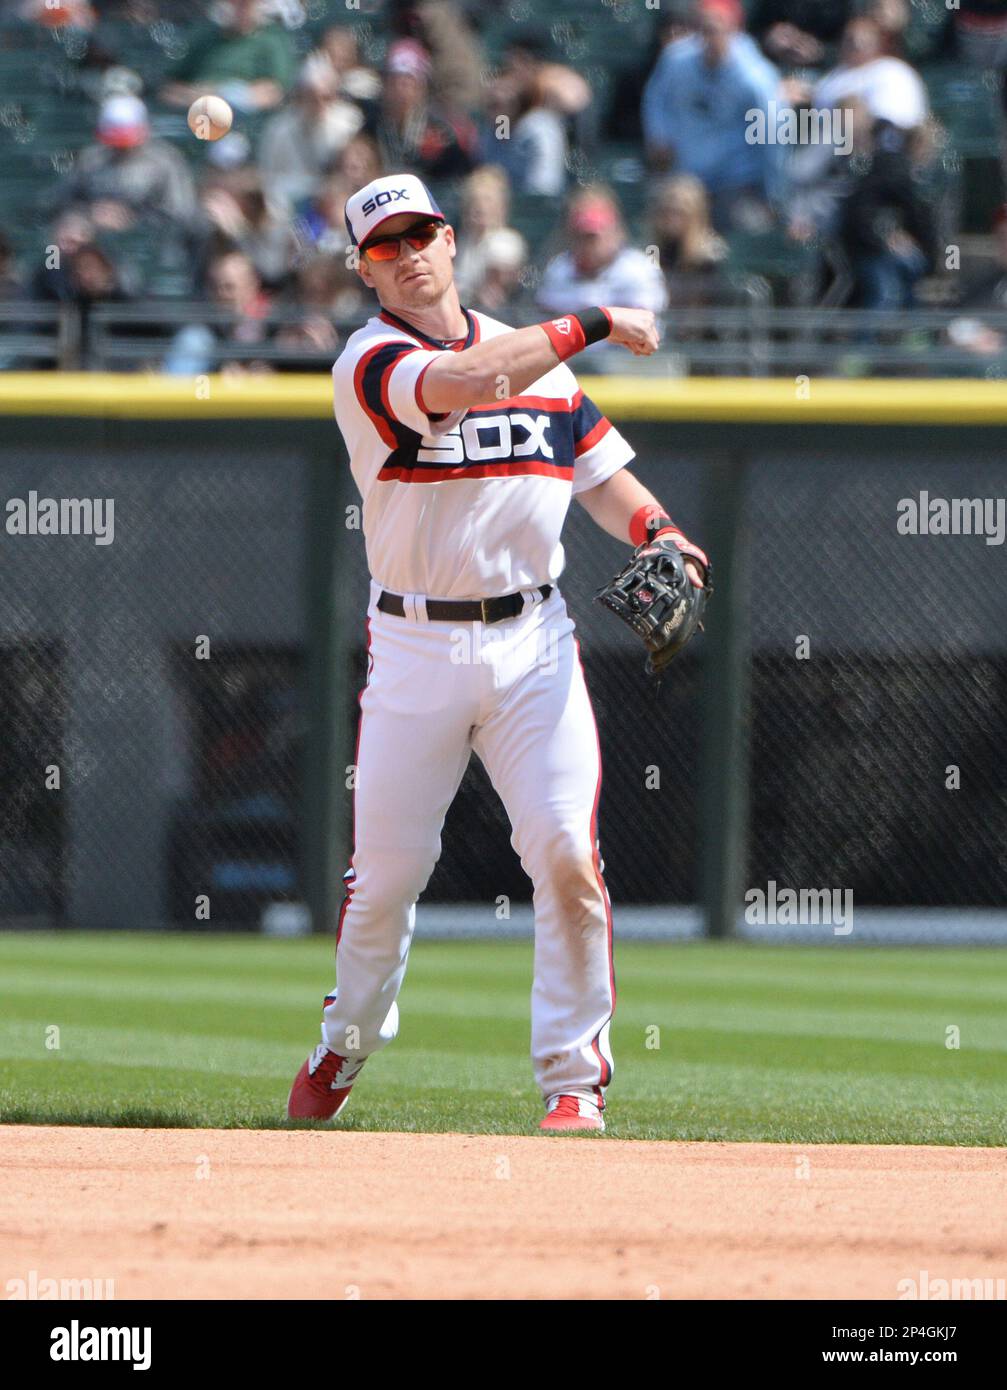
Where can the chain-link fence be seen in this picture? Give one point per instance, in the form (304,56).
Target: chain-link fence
(170,755)
(151,656)
(879,724)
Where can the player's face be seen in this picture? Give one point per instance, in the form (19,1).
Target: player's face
(418,277)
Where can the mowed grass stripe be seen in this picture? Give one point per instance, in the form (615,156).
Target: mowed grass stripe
(174,1014)
(168,1050)
(285,972)
(192,954)
(753,1044)
(729,1103)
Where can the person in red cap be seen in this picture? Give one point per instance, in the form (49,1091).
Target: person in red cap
(413,132)
(126,177)
(599,267)
(697,109)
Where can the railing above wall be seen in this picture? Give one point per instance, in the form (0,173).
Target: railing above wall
(753,340)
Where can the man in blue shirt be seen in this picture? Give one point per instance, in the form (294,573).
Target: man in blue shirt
(697,109)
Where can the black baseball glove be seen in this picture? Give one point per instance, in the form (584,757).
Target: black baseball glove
(658,600)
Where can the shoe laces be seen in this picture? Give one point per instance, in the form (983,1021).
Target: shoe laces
(567,1106)
(325,1069)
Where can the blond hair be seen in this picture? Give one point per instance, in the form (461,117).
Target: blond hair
(699,242)
(488,178)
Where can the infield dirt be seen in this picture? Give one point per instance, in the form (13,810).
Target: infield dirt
(313,1214)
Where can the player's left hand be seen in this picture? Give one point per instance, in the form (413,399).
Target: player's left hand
(662,595)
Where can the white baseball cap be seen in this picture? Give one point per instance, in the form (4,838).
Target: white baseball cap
(384,198)
(122,122)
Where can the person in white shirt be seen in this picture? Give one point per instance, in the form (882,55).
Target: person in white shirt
(887,87)
(599,267)
(485,208)
(868,86)
(303,141)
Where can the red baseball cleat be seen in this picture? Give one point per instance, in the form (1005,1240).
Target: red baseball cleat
(572,1112)
(323,1085)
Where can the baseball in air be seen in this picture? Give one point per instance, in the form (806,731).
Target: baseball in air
(210,118)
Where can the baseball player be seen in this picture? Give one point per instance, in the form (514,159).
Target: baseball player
(467,440)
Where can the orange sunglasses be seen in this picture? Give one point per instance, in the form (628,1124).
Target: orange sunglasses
(386,248)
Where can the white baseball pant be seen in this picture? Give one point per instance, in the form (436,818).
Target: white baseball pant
(513,691)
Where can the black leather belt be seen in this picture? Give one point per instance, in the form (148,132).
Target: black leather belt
(475,610)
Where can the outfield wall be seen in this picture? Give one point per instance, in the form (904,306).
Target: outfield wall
(226,776)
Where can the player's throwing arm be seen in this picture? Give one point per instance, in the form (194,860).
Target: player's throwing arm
(473,377)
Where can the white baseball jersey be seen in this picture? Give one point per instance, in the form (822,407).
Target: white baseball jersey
(471,504)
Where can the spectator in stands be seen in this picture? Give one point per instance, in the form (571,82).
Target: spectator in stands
(819,180)
(690,253)
(892,18)
(360,162)
(60,14)
(499,284)
(338,52)
(695,115)
(241,215)
(245,58)
(233,284)
(10,281)
(564,90)
(85,277)
(412,133)
(673,20)
(799,33)
(320,224)
(485,205)
(532,145)
(599,267)
(969,332)
(456,60)
(328,286)
(886,228)
(313,334)
(888,87)
(127,177)
(977,33)
(868,85)
(325,290)
(302,142)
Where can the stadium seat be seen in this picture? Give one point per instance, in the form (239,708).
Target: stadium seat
(964,100)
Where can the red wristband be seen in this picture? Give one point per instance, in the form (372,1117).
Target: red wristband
(566,335)
(650,523)
(642,523)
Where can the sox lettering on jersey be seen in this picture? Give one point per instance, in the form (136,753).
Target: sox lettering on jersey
(531,451)
(466,442)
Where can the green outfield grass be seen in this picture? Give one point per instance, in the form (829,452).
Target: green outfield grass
(807,1045)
